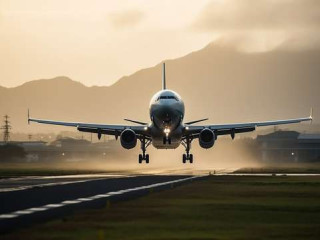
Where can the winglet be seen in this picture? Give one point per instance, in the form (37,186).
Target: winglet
(28,116)
(164,76)
(311,114)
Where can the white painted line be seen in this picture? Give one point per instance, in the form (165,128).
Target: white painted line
(97,177)
(23,212)
(84,199)
(81,200)
(37,209)
(100,196)
(54,205)
(8,216)
(46,185)
(114,193)
(70,202)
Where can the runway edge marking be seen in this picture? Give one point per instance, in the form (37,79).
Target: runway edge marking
(92,198)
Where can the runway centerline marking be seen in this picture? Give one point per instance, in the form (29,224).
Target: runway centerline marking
(87,199)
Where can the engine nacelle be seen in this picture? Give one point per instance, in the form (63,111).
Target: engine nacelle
(128,139)
(206,138)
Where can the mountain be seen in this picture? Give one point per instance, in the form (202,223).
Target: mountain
(218,82)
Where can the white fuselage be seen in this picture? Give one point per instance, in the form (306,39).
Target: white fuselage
(166,113)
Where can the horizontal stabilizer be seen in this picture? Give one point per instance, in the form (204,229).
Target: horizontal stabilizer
(196,121)
(137,122)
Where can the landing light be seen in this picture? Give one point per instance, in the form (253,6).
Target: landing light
(187,128)
(145,128)
(167,131)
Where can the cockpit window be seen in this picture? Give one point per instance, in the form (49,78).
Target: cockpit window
(168,97)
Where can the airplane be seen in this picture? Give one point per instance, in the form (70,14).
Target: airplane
(167,130)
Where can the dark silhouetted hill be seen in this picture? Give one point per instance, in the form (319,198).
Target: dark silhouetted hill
(216,82)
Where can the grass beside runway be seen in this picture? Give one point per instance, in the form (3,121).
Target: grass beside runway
(220,207)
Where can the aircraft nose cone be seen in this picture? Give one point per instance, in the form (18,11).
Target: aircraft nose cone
(167,119)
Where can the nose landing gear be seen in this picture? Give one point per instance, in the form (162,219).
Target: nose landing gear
(187,144)
(186,157)
(144,144)
(166,140)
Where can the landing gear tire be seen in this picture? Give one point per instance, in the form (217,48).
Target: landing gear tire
(184,158)
(191,158)
(145,157)
(144,144)
(187,157)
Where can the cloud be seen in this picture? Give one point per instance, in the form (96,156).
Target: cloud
(126,19)
(259,15)
(263,24)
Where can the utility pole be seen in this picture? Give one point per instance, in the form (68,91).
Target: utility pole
(6,129)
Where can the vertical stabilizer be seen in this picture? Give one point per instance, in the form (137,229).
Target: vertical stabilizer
(164,76)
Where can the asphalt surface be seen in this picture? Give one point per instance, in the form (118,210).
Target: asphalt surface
(29,200)
(22,183)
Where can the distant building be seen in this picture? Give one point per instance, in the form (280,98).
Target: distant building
(25,144)
(31,148)
(289,146)
(65,149)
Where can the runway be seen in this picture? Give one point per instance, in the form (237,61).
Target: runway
(23,183)
(28,200)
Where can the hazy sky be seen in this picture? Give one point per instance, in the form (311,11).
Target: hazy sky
(98,41)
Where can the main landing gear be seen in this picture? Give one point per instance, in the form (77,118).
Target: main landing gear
(187,144)
(144,144)
(143,157)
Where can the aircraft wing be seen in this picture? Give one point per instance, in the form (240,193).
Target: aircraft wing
(225,129)
(114,130)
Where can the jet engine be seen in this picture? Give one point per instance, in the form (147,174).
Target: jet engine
(206,138)
(128,139)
